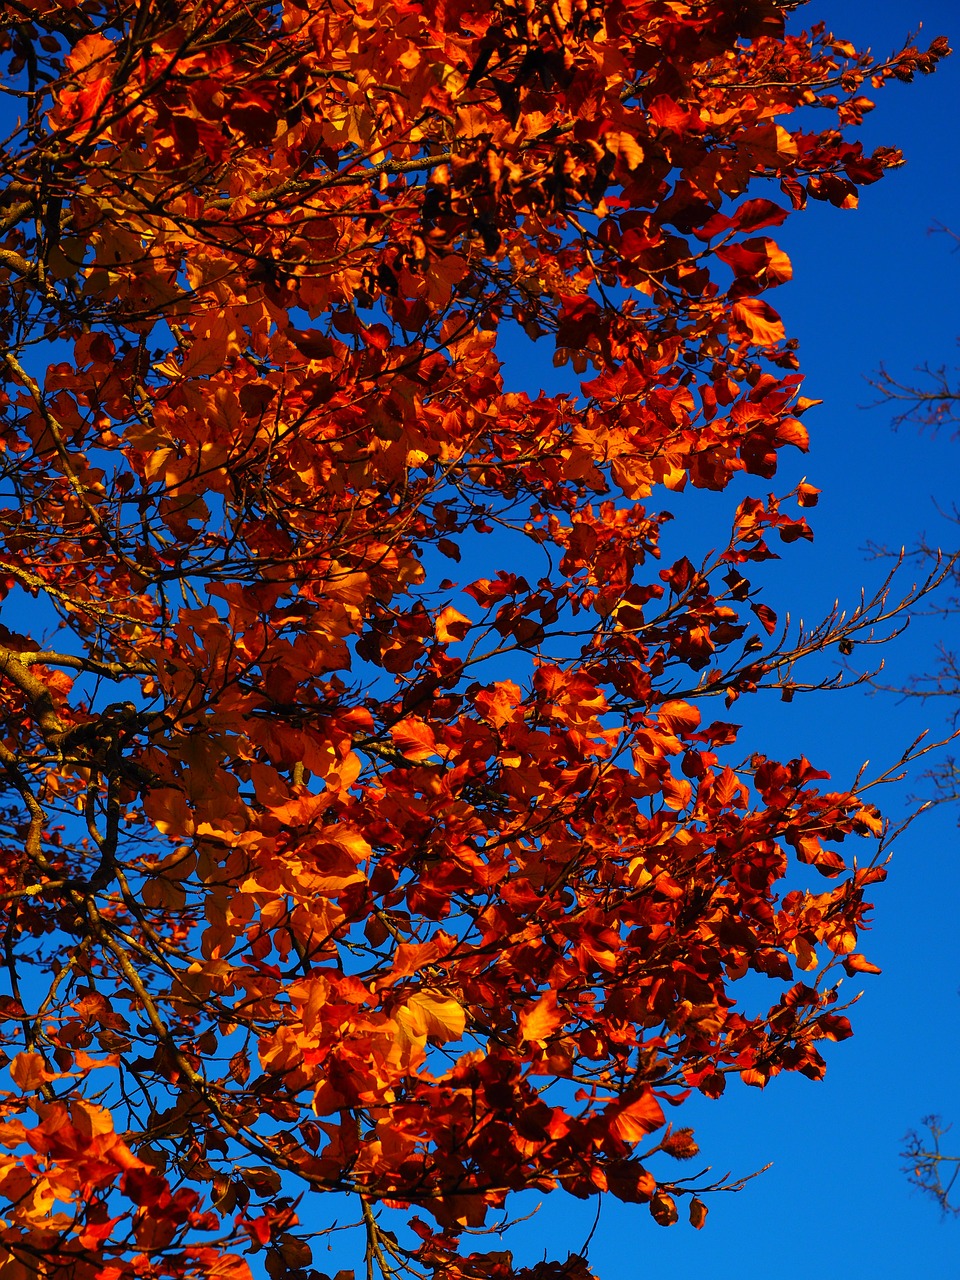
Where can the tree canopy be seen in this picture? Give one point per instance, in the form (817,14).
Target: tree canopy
(369,822)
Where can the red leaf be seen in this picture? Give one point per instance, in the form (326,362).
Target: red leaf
(752,215)
(767,617)
(663,1209)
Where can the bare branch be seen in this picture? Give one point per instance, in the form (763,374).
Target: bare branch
(931,1170)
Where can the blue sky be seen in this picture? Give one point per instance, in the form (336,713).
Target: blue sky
(870,286)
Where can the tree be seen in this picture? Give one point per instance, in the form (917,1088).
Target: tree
(320,871)
(930,402)
(932,1170)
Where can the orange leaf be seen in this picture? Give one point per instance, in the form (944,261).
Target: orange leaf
(678,717)
(805,955)
(758,322)
(451,625)
(542,1019)
(431,1016)
(414,738)
(632,1123)
(29,1071)
(625,147)
(857,963)
(498,704)
(89,50)
(664,1209)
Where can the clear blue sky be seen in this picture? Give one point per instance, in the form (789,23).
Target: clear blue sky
(869,286)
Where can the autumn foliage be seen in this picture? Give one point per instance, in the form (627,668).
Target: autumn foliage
(369,821)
